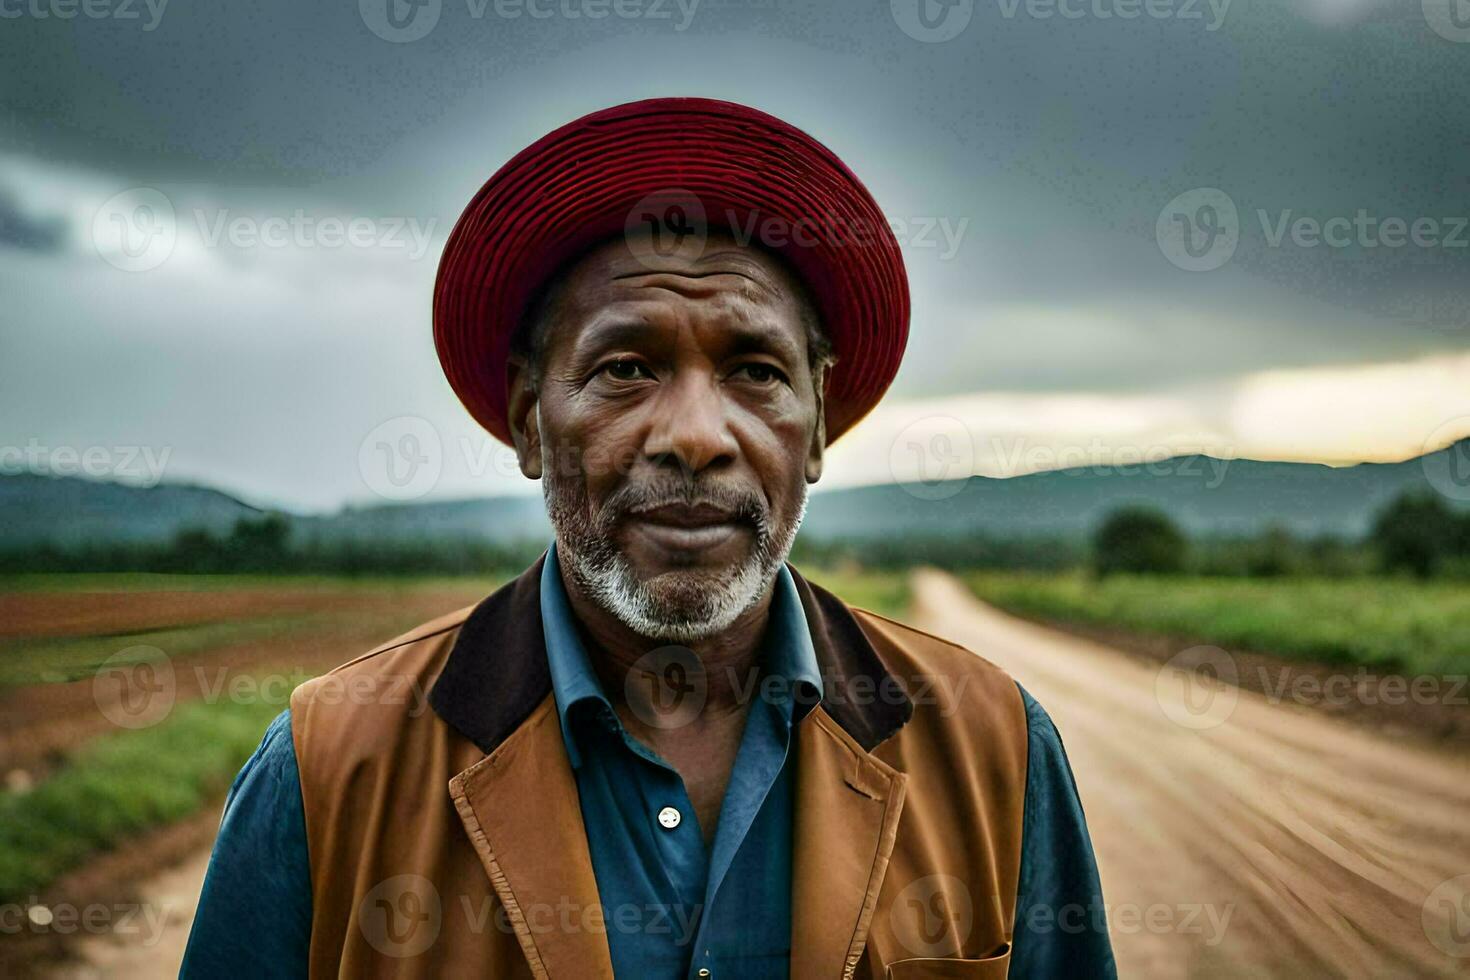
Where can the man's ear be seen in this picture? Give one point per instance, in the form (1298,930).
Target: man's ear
(521,417)
(818,447)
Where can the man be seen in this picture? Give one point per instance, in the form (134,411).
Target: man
(661,752)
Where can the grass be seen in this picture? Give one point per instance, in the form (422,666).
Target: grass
(68,658)
(121,785)
(1385,623)
(126,783)
(229,582)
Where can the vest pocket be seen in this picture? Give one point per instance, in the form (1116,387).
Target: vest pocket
(992,967)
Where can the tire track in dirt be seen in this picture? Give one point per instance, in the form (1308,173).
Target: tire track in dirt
(1297,844)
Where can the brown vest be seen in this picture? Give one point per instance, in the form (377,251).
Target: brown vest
(446,839)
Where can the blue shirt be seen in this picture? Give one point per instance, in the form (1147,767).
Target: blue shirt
(254,914)
(673,907)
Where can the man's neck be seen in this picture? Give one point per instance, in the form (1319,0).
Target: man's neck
(730,658)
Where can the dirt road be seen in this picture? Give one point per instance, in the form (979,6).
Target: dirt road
(1237,837)
(153,945)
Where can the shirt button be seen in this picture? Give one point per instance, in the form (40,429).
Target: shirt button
(669,818)
(702,972)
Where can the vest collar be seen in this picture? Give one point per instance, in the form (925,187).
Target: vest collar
(497,672)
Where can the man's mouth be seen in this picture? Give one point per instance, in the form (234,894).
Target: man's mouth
(686,527)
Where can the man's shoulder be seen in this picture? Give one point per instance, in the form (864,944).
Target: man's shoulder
(378,691)
(906,648)
(416,651)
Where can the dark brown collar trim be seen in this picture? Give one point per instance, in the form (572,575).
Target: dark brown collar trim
(497,672)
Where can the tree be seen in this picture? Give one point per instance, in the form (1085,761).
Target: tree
(1416,533)
(1138,539)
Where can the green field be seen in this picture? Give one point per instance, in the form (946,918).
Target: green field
(119,783)
(1397,625)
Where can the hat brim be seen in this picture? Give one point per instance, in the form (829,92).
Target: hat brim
(604,174)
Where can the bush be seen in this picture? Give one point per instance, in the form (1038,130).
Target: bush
(1140,540)
(1418,533)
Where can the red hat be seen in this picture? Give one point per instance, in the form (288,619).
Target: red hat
(682,163)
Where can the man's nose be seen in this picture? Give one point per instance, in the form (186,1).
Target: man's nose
(691,425)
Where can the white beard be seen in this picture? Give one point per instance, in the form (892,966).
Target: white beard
(678,607)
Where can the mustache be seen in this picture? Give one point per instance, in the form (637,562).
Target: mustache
(741,503)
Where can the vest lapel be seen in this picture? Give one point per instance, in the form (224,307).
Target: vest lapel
(519,804)
(846,818)
(520,808)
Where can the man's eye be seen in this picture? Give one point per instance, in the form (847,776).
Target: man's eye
(626,369)
(760,373)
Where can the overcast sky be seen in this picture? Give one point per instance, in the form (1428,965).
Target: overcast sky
(1039,159)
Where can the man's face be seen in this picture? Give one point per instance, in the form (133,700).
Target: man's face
(676,426)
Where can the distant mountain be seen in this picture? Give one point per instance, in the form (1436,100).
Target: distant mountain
(1203,494)
(68,511)
(501,519)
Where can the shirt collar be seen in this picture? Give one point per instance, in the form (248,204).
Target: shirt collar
(788,654)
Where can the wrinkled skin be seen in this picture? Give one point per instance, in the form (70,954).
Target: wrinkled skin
(676,423)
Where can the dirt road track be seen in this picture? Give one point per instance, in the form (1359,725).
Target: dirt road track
(153,947)
(1277,842)
(1322,842)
